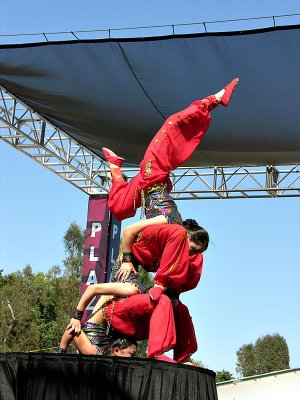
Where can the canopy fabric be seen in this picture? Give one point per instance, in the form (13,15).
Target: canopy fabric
(116,93)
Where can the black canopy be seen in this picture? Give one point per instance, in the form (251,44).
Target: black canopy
(117,92)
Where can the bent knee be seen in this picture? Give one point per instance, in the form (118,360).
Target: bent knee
(130,289)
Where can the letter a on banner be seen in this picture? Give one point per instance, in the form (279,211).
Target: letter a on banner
(102,241)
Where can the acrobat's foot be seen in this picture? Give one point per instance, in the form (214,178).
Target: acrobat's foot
(112,158)
(189,361)
(163,357)
(227,92)
(60,350)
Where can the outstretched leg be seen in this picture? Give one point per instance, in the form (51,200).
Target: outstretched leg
(172,146)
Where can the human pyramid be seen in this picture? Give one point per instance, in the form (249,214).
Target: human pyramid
(162,243)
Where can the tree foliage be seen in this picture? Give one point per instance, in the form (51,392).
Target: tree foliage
(198,363)
(269,353)
(272,354)
(35,307)
(31,309)
(246,364)
(223,376)
(74,247)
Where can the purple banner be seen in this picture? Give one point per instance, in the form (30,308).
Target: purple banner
(94,268)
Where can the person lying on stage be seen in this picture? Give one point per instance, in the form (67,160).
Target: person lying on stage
(96,342)
(171,147)
(136,317)
(121,347)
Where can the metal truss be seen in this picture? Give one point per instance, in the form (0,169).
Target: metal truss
(236,182)
(31,134)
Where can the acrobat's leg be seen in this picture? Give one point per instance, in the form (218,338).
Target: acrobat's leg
(81,341)
(124,197)
(186,343)
(178,138)
(162,334)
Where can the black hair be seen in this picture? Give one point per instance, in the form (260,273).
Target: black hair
(196,232)
(121,342)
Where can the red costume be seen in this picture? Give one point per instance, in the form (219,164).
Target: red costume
(142,318)
(173,145)
(186,342)
(164,248)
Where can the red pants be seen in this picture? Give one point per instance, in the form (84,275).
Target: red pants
(186,342)
(164,248)
(143,318)
(173,145)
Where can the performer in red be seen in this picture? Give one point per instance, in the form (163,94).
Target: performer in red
(134,317)
(173,145)
(173,251)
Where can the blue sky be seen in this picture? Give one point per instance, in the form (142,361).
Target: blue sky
(250,281)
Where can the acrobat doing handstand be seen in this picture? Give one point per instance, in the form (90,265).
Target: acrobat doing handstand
(173,145)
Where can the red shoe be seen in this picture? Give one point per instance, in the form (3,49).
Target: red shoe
(155,293)
(228,92)
(112,158)
(163,357)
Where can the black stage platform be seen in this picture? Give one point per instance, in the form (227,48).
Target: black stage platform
(44,376)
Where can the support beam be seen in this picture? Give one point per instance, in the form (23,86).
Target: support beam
(31,134)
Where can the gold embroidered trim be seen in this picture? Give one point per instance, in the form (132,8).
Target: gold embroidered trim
(104,314)
(134,200)
(104,311)
(156,186)
(148,169)
(143,204)
(139,236)
(149,189)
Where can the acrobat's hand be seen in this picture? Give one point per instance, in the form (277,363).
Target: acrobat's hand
(124,271)
(74,327)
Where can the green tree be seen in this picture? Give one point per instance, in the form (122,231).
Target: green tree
(272,354)
(246,362)
(69,284)
(199,363)
(223,376)
(28,311)
(35,307)
(74,248)
(269,353)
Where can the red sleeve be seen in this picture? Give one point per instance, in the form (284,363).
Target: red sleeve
(194,273)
